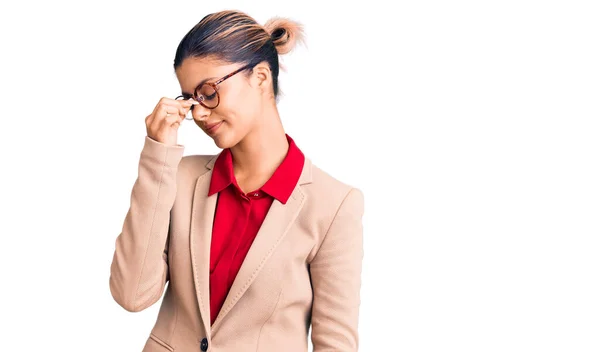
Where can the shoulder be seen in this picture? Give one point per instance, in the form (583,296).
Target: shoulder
(328,192)
(330,201)
(195,165)
(195,160)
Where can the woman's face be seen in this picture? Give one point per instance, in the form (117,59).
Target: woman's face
(240,99)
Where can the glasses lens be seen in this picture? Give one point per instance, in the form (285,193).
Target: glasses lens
(208,95)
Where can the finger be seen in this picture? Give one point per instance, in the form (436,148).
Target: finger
(189,102)
(162,112)
(165,123)
(177,108)
(167,105)
(161,103)
(172,120)
(168,109)
(154,119)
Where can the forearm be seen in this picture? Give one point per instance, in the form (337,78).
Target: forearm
(139,268)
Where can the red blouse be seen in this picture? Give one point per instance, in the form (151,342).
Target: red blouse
(238,217)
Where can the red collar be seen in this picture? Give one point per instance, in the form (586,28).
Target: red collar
(281,184)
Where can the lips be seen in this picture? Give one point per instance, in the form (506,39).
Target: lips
(209,127)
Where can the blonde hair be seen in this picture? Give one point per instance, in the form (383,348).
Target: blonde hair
(234,37)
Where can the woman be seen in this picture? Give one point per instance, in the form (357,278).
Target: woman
(256,242)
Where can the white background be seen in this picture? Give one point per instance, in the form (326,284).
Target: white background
(471,126)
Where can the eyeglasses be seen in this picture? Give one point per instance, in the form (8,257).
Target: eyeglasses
(207,93)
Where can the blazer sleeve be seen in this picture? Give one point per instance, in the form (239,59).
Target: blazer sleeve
(139,268)
(336,279)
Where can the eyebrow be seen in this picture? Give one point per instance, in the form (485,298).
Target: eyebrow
(197,85)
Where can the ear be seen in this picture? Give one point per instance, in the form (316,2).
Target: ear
(262,76)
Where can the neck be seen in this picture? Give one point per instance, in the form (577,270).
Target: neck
(257,156)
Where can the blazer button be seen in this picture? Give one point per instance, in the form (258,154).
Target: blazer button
(204,344)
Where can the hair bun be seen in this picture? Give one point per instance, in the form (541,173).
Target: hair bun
(285,33)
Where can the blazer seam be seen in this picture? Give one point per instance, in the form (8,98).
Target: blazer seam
(332,221)
(270,316)
(161,342)
(137,287)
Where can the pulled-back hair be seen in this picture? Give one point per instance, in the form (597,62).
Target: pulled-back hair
(235,37)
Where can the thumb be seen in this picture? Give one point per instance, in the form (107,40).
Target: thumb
(189,102)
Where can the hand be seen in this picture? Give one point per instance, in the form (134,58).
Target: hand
(163,123)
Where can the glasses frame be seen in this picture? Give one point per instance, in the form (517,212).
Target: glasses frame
(215,86)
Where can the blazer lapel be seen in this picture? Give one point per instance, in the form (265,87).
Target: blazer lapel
(277,223)
(203,212)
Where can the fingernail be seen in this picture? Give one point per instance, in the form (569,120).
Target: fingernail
(193,101)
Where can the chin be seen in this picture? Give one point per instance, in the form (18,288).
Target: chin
(221,143)
(224,140)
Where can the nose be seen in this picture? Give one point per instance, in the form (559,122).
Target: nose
(200,113)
